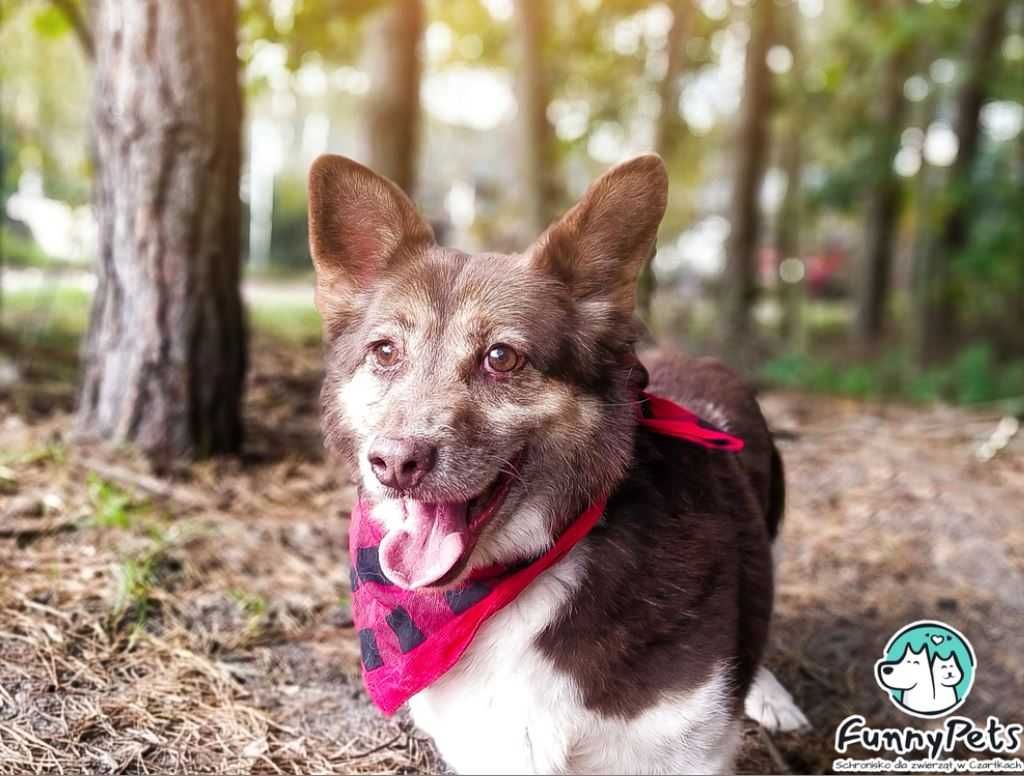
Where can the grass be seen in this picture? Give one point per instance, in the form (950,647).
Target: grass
(23,252)
(56,318)
(295,324)
(51,318)
(45,453)
(974,376)
(114,507)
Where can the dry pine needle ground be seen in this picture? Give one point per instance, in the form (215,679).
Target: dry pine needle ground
(202,624)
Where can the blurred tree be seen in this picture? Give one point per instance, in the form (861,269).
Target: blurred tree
(74,12)
(536,136)
(937,325)
(330,32)
(669,130)
(165,355)
(884,193)
(751,152)
(392,46)
(791,160)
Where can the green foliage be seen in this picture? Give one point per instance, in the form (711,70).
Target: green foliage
(330,31)
(112,506)
(47,319)
(139,574)
(974,376)
(297,324)
(254,606)
(289,241)
(50,22)
(52,452)
(134,580)
(989,273)
(21,251)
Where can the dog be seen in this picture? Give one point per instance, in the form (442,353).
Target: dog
(486,401)
(912,674)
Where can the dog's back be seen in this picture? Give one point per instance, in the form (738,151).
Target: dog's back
(719,395)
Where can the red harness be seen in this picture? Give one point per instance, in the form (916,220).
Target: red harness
(409,639)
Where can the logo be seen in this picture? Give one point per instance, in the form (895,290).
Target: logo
(927,669)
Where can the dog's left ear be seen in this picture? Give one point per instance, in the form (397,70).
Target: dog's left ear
(599,247)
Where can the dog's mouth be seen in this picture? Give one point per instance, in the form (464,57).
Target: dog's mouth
(434,542)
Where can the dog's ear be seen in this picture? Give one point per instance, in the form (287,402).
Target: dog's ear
(359,224)
(599,247)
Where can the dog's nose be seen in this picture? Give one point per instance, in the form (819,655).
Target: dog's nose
(887,670)
(401,463)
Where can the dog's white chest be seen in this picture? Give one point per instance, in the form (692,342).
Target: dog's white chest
(504,708)
(498,709)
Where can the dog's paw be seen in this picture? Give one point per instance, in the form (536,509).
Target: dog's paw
(770,705)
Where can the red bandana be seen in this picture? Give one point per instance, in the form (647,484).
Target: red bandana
(409,639)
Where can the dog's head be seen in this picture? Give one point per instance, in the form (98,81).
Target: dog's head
(912,669)
(483,400)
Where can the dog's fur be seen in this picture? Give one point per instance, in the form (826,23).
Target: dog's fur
(636,651)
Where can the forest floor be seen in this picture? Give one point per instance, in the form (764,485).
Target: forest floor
(202,623)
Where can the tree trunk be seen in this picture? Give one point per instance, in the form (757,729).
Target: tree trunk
(165,355)
(668,129)
(788,219)
(939,324)
(537,141)
(925,187)
(393,102)
(883,206)
(751,148)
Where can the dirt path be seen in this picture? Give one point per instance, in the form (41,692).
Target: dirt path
(205,625)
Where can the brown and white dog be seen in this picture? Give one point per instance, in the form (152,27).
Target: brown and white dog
(508,384)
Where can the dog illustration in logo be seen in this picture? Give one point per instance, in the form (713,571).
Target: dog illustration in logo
(912,674)
(928,669)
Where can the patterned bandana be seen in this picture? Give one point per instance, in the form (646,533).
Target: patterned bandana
(410,638)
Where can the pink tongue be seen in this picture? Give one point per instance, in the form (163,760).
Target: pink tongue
(430,541)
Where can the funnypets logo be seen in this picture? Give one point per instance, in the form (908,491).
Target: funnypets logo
(927,670)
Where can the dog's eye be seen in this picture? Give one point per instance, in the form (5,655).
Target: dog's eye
(386,353)
(501,359)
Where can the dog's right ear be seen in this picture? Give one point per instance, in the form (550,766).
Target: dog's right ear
(359,224)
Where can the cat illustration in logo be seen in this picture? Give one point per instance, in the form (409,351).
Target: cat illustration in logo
(946,675)
(928,669)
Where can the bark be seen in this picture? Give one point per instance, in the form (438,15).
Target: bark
(393,103)
(165,355)
(536,138)
(751,148)
(938,325)
(883,205)
(668,130)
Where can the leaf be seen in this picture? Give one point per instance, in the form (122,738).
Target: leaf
(51,23)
